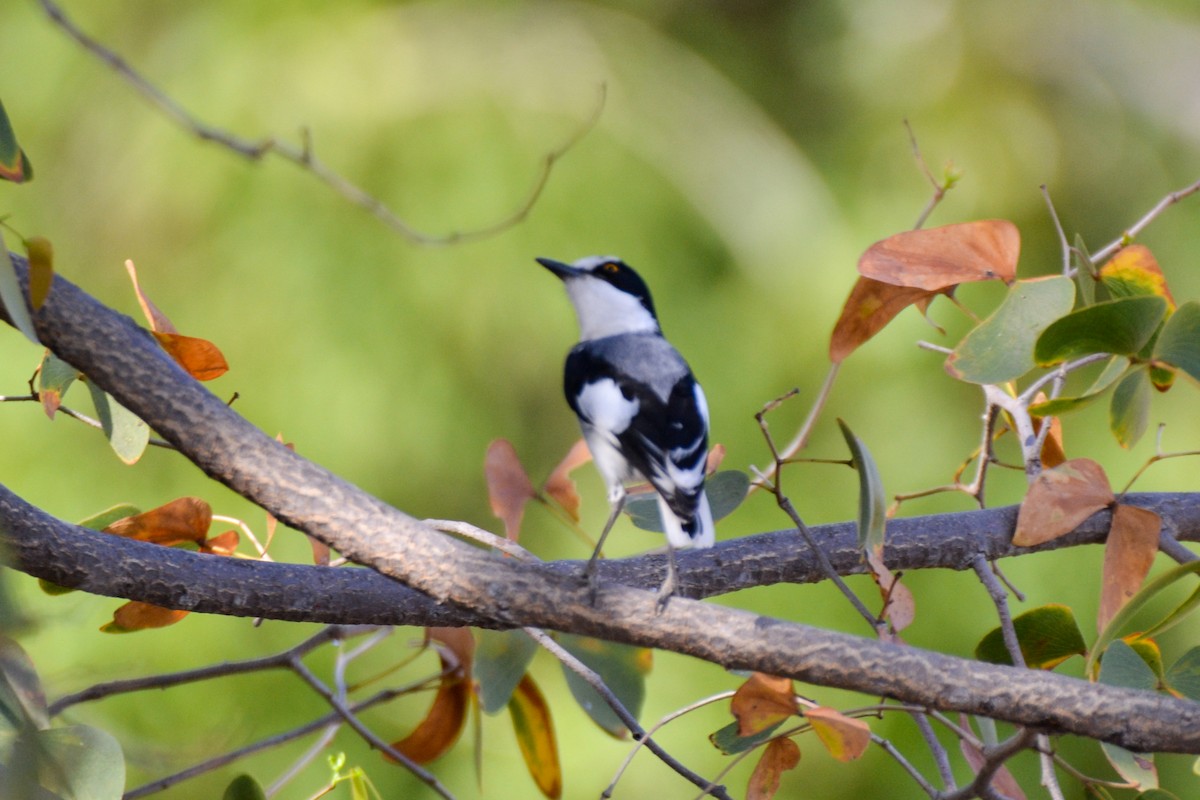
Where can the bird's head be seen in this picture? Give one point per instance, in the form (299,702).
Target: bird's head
(609,297)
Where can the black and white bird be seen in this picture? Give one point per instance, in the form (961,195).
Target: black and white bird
(643,414)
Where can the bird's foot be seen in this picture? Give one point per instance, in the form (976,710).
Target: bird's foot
(666,592)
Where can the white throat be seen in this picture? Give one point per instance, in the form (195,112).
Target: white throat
(603,310)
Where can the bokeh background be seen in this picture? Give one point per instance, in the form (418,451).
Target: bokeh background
(745,155)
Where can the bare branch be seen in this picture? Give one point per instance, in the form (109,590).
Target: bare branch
(304,156)
(1139,226)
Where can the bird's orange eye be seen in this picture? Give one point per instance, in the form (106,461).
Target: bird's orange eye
(611,267)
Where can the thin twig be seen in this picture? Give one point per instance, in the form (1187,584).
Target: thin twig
(1058,228)
(596,682)
(73,414)
(477,534)
(1137,227)
(939,188)
(908,767)
(303,155)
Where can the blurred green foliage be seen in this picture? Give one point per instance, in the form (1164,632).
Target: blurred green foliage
(745,156)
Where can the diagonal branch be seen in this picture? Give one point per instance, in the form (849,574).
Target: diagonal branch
(303,156)
(125,361)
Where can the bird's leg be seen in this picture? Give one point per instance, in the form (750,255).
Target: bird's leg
(670,584)
(589,572)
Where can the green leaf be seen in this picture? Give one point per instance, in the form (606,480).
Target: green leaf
(1114,369)
(501,659)
(77,762)
(726,490)
(1135,768)
(14,165)
(244,787)
(1179,342)
(1157,794)
(872,502)
(22,701)
(1122,666)
(1000,348)
(127,434)
(1184,675)
(1048,635)
(108,516)
(730,742)
(1129,412)
(1121,327)
(1085,272)
(11,296)
(622,667)
(1148,592)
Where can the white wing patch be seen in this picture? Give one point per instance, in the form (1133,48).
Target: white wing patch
(606,408)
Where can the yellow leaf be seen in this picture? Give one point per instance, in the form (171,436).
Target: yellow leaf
(844,737)
(762,701)
(535,735)
(41,269)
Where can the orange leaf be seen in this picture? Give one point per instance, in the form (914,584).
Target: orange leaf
(1002,781)
(138,616)
(223,544)
(560,486)
(716,454)
(1060,499)
(440,729)
(158,320)
(1052,447)
(901,606)
(871,305)
(762,701)
(200,357)
(41,269)
(779,756)
(844,737)
(184,520)
(939,258)
(535,735)
(1128,554)
(509,488)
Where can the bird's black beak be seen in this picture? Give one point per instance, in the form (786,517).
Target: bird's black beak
(560,269)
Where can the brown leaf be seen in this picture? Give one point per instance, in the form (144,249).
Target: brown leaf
(901,606)
(200,357)
(157,319)
(1002,780)
(779,756)
(184,520)
(1060,499)
(138,616)
(509,487)
(716,454)
(440,728)
(1052,447)
(41,269)
(223,544)
(871,305)
(560,486)
(939,258)
(1129,552)
(844,737)
(762,701)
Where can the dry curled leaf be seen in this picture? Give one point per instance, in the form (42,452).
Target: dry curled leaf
(900,608)
(201,358)
(934,259)
(871,305)
(1128,553)
(779,756)
(440,728)
(184,520)
(138,616)
(509,487)
(159,323)
(762,701)
(844,737)
(560,486)
(1060,499)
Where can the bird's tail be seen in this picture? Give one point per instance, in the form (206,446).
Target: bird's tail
(698,532)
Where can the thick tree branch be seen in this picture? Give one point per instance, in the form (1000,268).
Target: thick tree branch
(125,361)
